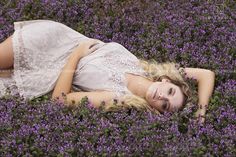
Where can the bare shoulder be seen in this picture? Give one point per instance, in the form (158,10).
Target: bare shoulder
(94,97)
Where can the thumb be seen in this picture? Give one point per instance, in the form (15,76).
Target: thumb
(97,41)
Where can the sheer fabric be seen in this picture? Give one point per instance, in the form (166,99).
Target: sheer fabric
(41,49)
(105,69)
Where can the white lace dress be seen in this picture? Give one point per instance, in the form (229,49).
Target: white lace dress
(41,49)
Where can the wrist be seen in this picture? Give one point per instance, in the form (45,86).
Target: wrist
(202,110)
(202,106)
(75,55)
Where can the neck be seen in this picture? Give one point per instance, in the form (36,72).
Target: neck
(138,85)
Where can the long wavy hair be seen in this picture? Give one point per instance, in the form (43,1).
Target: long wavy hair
(154,72)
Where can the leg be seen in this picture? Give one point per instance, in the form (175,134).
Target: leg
(6,57)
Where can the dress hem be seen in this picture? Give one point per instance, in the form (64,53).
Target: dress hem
(17,49)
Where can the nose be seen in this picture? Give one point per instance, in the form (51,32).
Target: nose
(160,95)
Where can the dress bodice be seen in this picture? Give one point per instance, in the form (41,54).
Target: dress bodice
(105,69)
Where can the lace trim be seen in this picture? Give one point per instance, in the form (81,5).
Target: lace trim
(8,85)
(2,89)
(20,62)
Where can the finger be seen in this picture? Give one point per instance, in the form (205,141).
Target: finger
(94,48)
(92,40)
(92,44)
(95,42)
(99,41)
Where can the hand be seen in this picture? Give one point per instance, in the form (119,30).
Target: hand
(86,47)
(200,115)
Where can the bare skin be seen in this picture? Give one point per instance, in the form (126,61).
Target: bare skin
(163,95)
(6,57)
(136,84)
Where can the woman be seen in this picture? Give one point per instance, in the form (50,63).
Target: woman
(48,56)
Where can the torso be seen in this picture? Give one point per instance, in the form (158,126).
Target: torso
(128,76)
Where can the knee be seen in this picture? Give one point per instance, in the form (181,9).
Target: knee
(6,57)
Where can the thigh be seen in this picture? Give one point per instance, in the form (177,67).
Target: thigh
(6,54)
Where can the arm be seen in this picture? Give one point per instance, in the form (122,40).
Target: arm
(65,79)
(206,80)
(95,98)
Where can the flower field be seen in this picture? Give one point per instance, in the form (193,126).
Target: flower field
(194,33)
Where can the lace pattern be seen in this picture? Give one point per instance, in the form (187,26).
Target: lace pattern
(8,85)
(123,63)
(20,63)
(31,68)
(127,62)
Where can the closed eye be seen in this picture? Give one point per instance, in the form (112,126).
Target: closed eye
(170,91)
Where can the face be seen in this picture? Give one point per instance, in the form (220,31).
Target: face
(164,96)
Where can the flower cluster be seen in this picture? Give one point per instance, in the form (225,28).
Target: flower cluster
(193,33)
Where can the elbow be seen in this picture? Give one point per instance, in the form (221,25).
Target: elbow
(212,74)
(209,73)
(211,77)
(207,76)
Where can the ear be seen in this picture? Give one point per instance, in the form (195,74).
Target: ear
(165,80)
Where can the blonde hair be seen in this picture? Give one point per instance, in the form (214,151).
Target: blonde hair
(154,72)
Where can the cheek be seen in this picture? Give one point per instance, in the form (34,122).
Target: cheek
(156,104)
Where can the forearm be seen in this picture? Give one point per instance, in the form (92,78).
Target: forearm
(205,89)
(205,79)
(65,79)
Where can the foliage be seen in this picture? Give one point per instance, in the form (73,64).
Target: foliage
(194,33)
